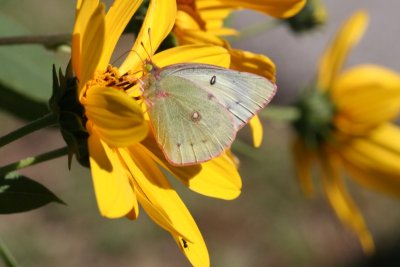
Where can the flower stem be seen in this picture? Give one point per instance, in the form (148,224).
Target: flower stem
(246,150)
(46,120)
(280,113)
(29,161)
(46,40)
(6,255)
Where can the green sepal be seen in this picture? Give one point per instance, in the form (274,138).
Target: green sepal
(64,102)
(315,123)
(19,194)
(312,16)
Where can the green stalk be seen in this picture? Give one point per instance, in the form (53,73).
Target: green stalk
(246,150)
(45,121)
(46,40)
(33,160)
(280,113)
(6,255)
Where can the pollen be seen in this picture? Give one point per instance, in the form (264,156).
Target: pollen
(112,78)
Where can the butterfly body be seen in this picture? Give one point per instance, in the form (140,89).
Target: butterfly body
(195,110)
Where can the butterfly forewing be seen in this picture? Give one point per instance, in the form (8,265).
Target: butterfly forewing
(242,94)
(189,124)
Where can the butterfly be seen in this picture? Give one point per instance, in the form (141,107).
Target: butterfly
(195,110)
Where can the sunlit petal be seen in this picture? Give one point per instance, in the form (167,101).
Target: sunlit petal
(256,130)
(158,31)
(188,19)
(336,54)
(84,11)
(279,9)
(217,178)
(342,202)
(201,53)
(303,160)
(215,18)
(117,18)
(377,88)
(114,193)
(163,197)
(194,36)
(374,159)
(117,118)
(254,63)
(88,43)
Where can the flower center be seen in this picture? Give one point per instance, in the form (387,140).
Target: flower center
(112,78)
(315,123)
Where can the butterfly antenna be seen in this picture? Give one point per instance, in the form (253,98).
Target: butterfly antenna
(145,50)
(151,47)
(127,52)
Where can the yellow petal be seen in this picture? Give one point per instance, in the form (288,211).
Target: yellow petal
(83,13)
(188,19)
(336,54)
(217,178)
(117,119)
(117,18)
(374,160)
(278,9)
(159,194)
(213,55)
(114,193)
(158,31)
(254,63)
(342,203)
(87,41)
(303,159)
(215,18)
(365,96)
(256,130)
(193,36)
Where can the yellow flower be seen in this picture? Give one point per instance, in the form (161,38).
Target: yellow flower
(125,161)
(345,125)
(202,21)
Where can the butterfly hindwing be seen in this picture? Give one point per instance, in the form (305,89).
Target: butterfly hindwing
(189,124)
(242,94)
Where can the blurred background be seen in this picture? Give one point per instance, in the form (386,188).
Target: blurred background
(270,224)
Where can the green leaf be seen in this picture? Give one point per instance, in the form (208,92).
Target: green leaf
(19,193)
(25,70)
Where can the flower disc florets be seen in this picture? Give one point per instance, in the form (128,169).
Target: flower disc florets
(112,78)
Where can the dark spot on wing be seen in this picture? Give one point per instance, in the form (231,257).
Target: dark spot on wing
(210,96)
(213,79)
(178,145)
(195,116)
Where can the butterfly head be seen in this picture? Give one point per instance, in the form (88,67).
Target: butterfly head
(150,67)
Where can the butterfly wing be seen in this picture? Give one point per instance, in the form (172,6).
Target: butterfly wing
(242,94)
(190,126)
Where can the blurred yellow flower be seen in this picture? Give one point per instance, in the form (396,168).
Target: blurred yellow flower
(124,159)
(345,125)
(202,22)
